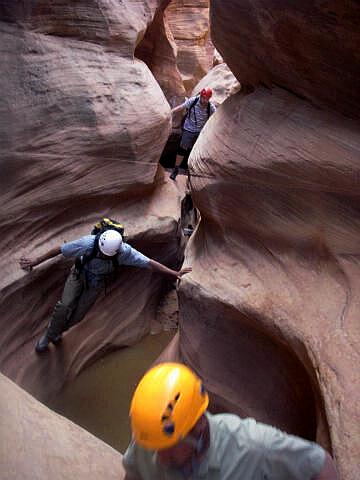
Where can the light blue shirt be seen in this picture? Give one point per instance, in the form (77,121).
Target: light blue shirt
(240,449)
(83,246)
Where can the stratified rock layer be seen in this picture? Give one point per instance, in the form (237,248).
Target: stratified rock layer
(39,444)
(310,48)
(222,82)
(82,127)
(275,268)
(189,23)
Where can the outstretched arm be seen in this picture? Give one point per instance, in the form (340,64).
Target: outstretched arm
(328,472)
(27,263)
(178,108)
(159,267)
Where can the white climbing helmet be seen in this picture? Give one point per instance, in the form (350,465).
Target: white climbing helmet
(110,242)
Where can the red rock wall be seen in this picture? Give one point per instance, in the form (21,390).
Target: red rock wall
(39,444)
(274,266)
(189,23)
(275,256)
(82,127)
(307,47)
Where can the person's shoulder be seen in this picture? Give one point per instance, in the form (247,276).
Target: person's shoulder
(235,444)
(245,430)
(191,100)
(125,250)
(86,240)
(125,247)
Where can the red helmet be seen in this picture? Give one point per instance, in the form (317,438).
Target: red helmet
(206,92)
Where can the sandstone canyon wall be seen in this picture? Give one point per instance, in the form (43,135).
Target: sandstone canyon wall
(189,23)
(82,126)
(275,257)
(37,443)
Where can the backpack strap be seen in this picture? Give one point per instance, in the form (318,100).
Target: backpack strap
(209,109)
(193,106)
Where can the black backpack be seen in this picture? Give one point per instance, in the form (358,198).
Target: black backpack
(192,106)
(99,228)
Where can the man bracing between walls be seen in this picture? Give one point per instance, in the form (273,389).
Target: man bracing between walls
(199,109)
(176,438)
(100,255)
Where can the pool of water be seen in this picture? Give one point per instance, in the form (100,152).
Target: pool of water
(99,398)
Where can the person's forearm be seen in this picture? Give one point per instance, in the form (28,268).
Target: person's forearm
(46,256)
(328,472)
(178,108)
(159,267)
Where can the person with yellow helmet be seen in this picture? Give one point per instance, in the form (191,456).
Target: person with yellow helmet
(176,438)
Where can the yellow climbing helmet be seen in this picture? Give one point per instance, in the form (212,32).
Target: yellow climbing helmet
(166,405)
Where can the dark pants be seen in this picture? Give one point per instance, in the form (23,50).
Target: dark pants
(187,142)
(76,301)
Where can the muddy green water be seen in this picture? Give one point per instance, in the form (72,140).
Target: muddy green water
(99,398)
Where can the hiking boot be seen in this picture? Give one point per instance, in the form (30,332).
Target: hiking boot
(57,340)
(42,344)
(174,173)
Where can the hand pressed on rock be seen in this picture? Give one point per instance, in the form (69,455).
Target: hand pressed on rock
(27,263)
(184,271)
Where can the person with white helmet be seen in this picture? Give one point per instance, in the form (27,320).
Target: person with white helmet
(97,258)
(176,438)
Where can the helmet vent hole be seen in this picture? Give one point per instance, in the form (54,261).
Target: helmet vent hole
(169,429)
(168,425)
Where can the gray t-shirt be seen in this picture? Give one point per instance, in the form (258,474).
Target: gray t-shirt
(198,115)
(240,449)
(97,267)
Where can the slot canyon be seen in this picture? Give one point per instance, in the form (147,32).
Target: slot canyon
(269,315)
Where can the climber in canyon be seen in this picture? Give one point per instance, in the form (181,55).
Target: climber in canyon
(174,436)
(97,259)
(199,109)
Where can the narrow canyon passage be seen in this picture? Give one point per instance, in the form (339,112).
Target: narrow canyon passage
(269,220)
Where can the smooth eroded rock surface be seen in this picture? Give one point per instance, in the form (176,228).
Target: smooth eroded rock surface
(275,268)
(189,23)
(82,127)
(39,444)
(310,48)
(222,82)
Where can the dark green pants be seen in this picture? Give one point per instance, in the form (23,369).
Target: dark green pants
(75,302)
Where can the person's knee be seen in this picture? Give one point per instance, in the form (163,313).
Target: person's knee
(61,310)
(59,319)
(181,152)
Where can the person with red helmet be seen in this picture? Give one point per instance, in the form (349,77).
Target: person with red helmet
(199,109)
